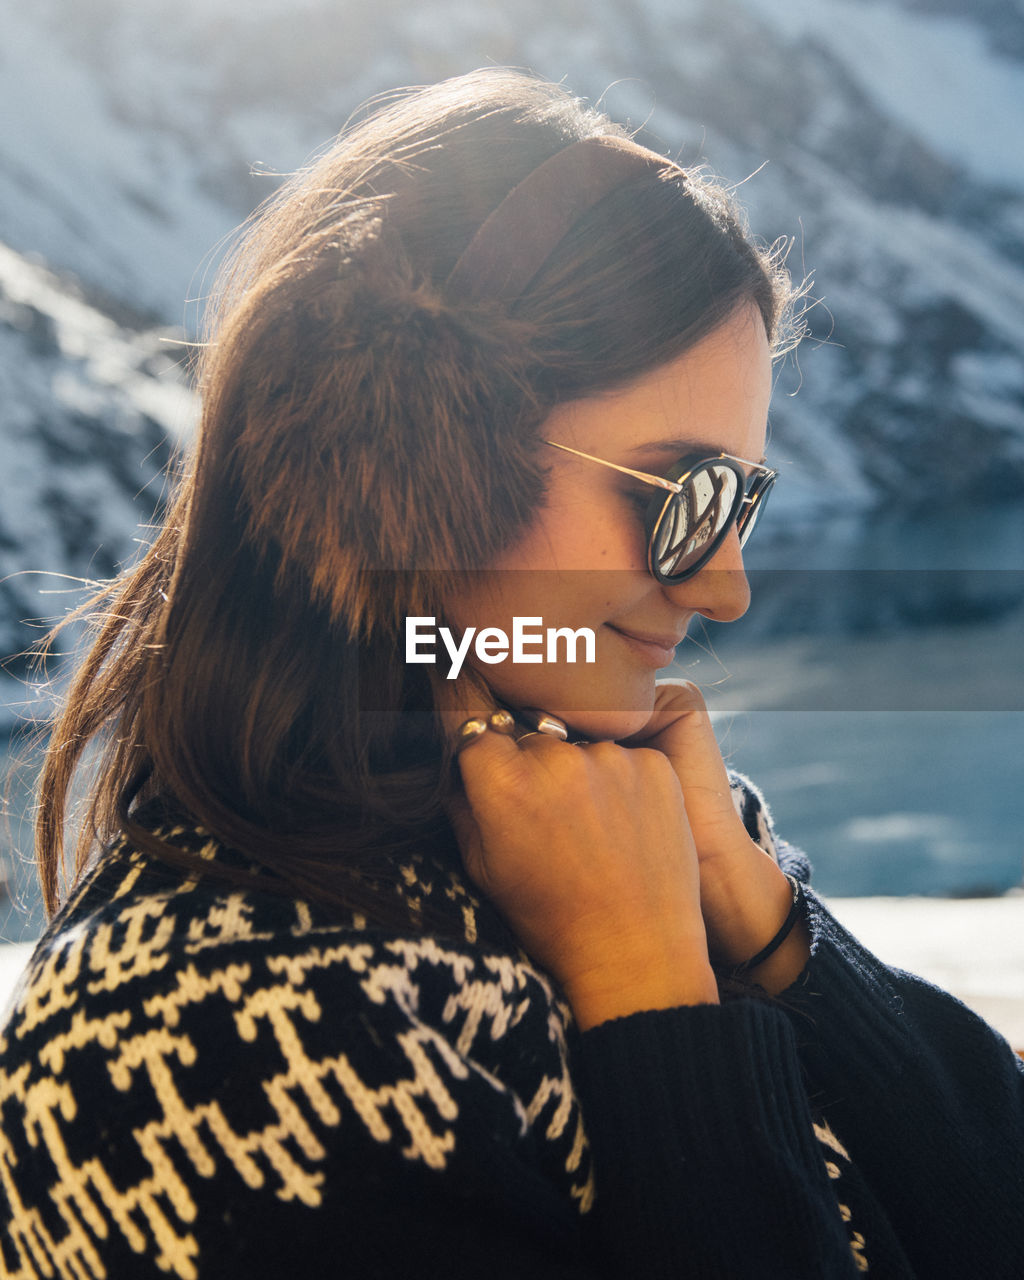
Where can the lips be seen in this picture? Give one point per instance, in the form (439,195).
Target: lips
(657,648)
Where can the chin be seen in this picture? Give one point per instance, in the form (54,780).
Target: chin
(594,712)
(609,725)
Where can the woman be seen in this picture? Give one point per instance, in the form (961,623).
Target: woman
(368,970)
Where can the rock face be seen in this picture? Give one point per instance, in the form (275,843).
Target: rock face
(883,139)
(89,413)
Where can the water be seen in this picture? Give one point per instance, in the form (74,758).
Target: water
(894,759)
(876,695)
(891,803)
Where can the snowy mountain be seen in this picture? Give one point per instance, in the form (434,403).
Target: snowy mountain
(89,411)
(881,135)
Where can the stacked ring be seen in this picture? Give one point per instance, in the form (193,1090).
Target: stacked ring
(505,723)
(468,732)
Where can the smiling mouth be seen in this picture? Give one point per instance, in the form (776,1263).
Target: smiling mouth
(659,649)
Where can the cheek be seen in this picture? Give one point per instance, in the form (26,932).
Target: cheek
(582,537)
(580,563)
(606,536)
(544,544)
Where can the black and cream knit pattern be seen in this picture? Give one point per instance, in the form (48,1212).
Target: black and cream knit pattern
(199,1081)
(243,1038)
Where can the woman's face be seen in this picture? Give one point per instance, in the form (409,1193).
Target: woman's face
(583,561)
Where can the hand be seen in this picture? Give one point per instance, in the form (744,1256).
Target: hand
(744,895)
(588,855)
(680,727)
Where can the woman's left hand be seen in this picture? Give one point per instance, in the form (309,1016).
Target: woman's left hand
(745,897)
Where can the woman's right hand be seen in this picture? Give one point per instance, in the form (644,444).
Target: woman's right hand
(587,853)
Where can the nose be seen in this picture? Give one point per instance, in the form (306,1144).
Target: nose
(720,591)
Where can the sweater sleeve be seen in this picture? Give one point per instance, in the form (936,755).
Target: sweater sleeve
(706,1159)
(928,1097)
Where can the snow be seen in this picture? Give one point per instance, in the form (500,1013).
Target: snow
(128,141)
(87,410)
(65,152)
(953,91)
(109,353)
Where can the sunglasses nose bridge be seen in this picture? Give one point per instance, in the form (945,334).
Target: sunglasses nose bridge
(752,507)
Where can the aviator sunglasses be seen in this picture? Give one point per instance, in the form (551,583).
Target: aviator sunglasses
(705,497)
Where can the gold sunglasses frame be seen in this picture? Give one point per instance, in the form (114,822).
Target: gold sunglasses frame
(758,481)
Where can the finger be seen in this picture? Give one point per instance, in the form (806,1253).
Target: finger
(463,699)
(503,776)
(467,832)
(674,700)
(489,758)
(682,725)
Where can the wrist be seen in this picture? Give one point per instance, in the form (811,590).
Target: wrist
(756,925)
(785,965)
(641,977)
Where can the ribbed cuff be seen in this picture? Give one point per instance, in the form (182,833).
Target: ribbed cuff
(705,1155)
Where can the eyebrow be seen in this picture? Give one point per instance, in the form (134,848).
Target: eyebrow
(677,448)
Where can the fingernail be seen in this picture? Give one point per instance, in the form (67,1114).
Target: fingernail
(545,723)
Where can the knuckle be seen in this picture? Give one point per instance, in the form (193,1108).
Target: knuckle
(653,761)
(684,692)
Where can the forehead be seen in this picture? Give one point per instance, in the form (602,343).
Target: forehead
(713,398)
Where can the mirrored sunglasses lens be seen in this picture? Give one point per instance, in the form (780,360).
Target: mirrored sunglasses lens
(695,520)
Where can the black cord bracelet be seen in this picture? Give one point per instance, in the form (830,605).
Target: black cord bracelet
(787,928)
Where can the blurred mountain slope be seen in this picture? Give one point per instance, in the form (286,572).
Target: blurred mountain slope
(883,138)
(90,410)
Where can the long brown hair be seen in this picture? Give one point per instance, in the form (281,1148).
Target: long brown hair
(362,434)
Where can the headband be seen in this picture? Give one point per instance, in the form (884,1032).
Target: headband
(519,236)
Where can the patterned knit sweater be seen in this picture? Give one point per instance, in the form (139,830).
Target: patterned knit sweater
(197,1081)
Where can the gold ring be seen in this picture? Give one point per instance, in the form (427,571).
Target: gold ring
(468,732)
(503,722)
(539,733)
